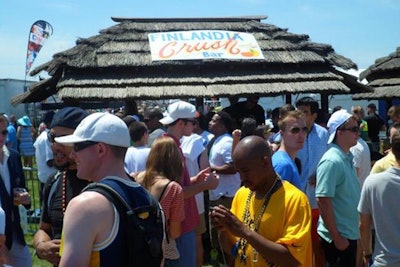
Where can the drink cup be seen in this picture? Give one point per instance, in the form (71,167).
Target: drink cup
(19,192)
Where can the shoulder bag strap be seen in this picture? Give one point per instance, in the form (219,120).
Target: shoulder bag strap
(163,191)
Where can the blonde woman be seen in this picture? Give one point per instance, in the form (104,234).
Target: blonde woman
(161,178)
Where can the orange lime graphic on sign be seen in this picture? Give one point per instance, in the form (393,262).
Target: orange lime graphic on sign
(251,53)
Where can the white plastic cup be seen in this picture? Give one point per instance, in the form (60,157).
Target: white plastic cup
(24,218)
(2,221)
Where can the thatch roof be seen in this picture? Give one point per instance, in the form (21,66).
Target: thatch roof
(117,64)
(383,77)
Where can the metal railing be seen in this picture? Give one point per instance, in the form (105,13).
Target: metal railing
(30,222)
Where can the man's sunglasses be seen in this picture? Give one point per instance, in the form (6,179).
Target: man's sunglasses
(4,132)
(354,129)
(296,130)
(82,145)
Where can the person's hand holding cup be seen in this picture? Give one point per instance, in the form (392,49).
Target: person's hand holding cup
(21,196)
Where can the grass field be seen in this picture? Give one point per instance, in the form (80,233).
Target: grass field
(33,221)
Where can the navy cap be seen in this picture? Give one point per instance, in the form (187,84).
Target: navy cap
(68,117)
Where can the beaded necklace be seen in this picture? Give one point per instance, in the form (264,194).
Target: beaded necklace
(241,244)
(64,188)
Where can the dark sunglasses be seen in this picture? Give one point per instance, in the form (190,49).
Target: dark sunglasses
(51,136)
(4,132)
(82,145)
(296,130)
(354,129)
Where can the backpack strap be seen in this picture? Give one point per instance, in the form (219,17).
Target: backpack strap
(130,216)
(121,205)
(163,191)
(112,195)
(209,145)
(159,199)
(54,183)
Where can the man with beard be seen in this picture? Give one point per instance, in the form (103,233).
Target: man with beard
(61,188)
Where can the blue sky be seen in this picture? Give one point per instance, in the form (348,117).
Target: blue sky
(362,30)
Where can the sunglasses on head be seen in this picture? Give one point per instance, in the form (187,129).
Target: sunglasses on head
(354,129)
(51,136)
(296,130)
(82,145)
(193,121)
(4,132)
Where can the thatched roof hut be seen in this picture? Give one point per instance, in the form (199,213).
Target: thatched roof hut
(117,65)
(383,77)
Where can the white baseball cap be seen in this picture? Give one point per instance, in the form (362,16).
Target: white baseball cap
(336,120)
(178,110)
(99,127)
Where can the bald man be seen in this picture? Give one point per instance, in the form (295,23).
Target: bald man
(270,219)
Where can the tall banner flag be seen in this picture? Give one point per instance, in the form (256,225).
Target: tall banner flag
(40,31)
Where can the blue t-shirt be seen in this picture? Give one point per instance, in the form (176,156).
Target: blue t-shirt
(315,145)
(285,166)
(337,179)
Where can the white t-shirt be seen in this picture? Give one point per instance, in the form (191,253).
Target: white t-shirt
(135,158)
(207,136)
(220,154)
(4,171)
(361,160)
(43,154)
(192,146)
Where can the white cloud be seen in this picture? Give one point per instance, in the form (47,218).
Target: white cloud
(355,73)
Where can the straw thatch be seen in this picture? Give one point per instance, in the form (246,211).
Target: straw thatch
(383,77)
(116,64)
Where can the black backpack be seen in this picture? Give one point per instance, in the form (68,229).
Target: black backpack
(145,227)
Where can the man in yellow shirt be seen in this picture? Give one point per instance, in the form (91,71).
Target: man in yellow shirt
(270,220)
(389,160)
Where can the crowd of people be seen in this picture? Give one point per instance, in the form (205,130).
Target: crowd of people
(236,188)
